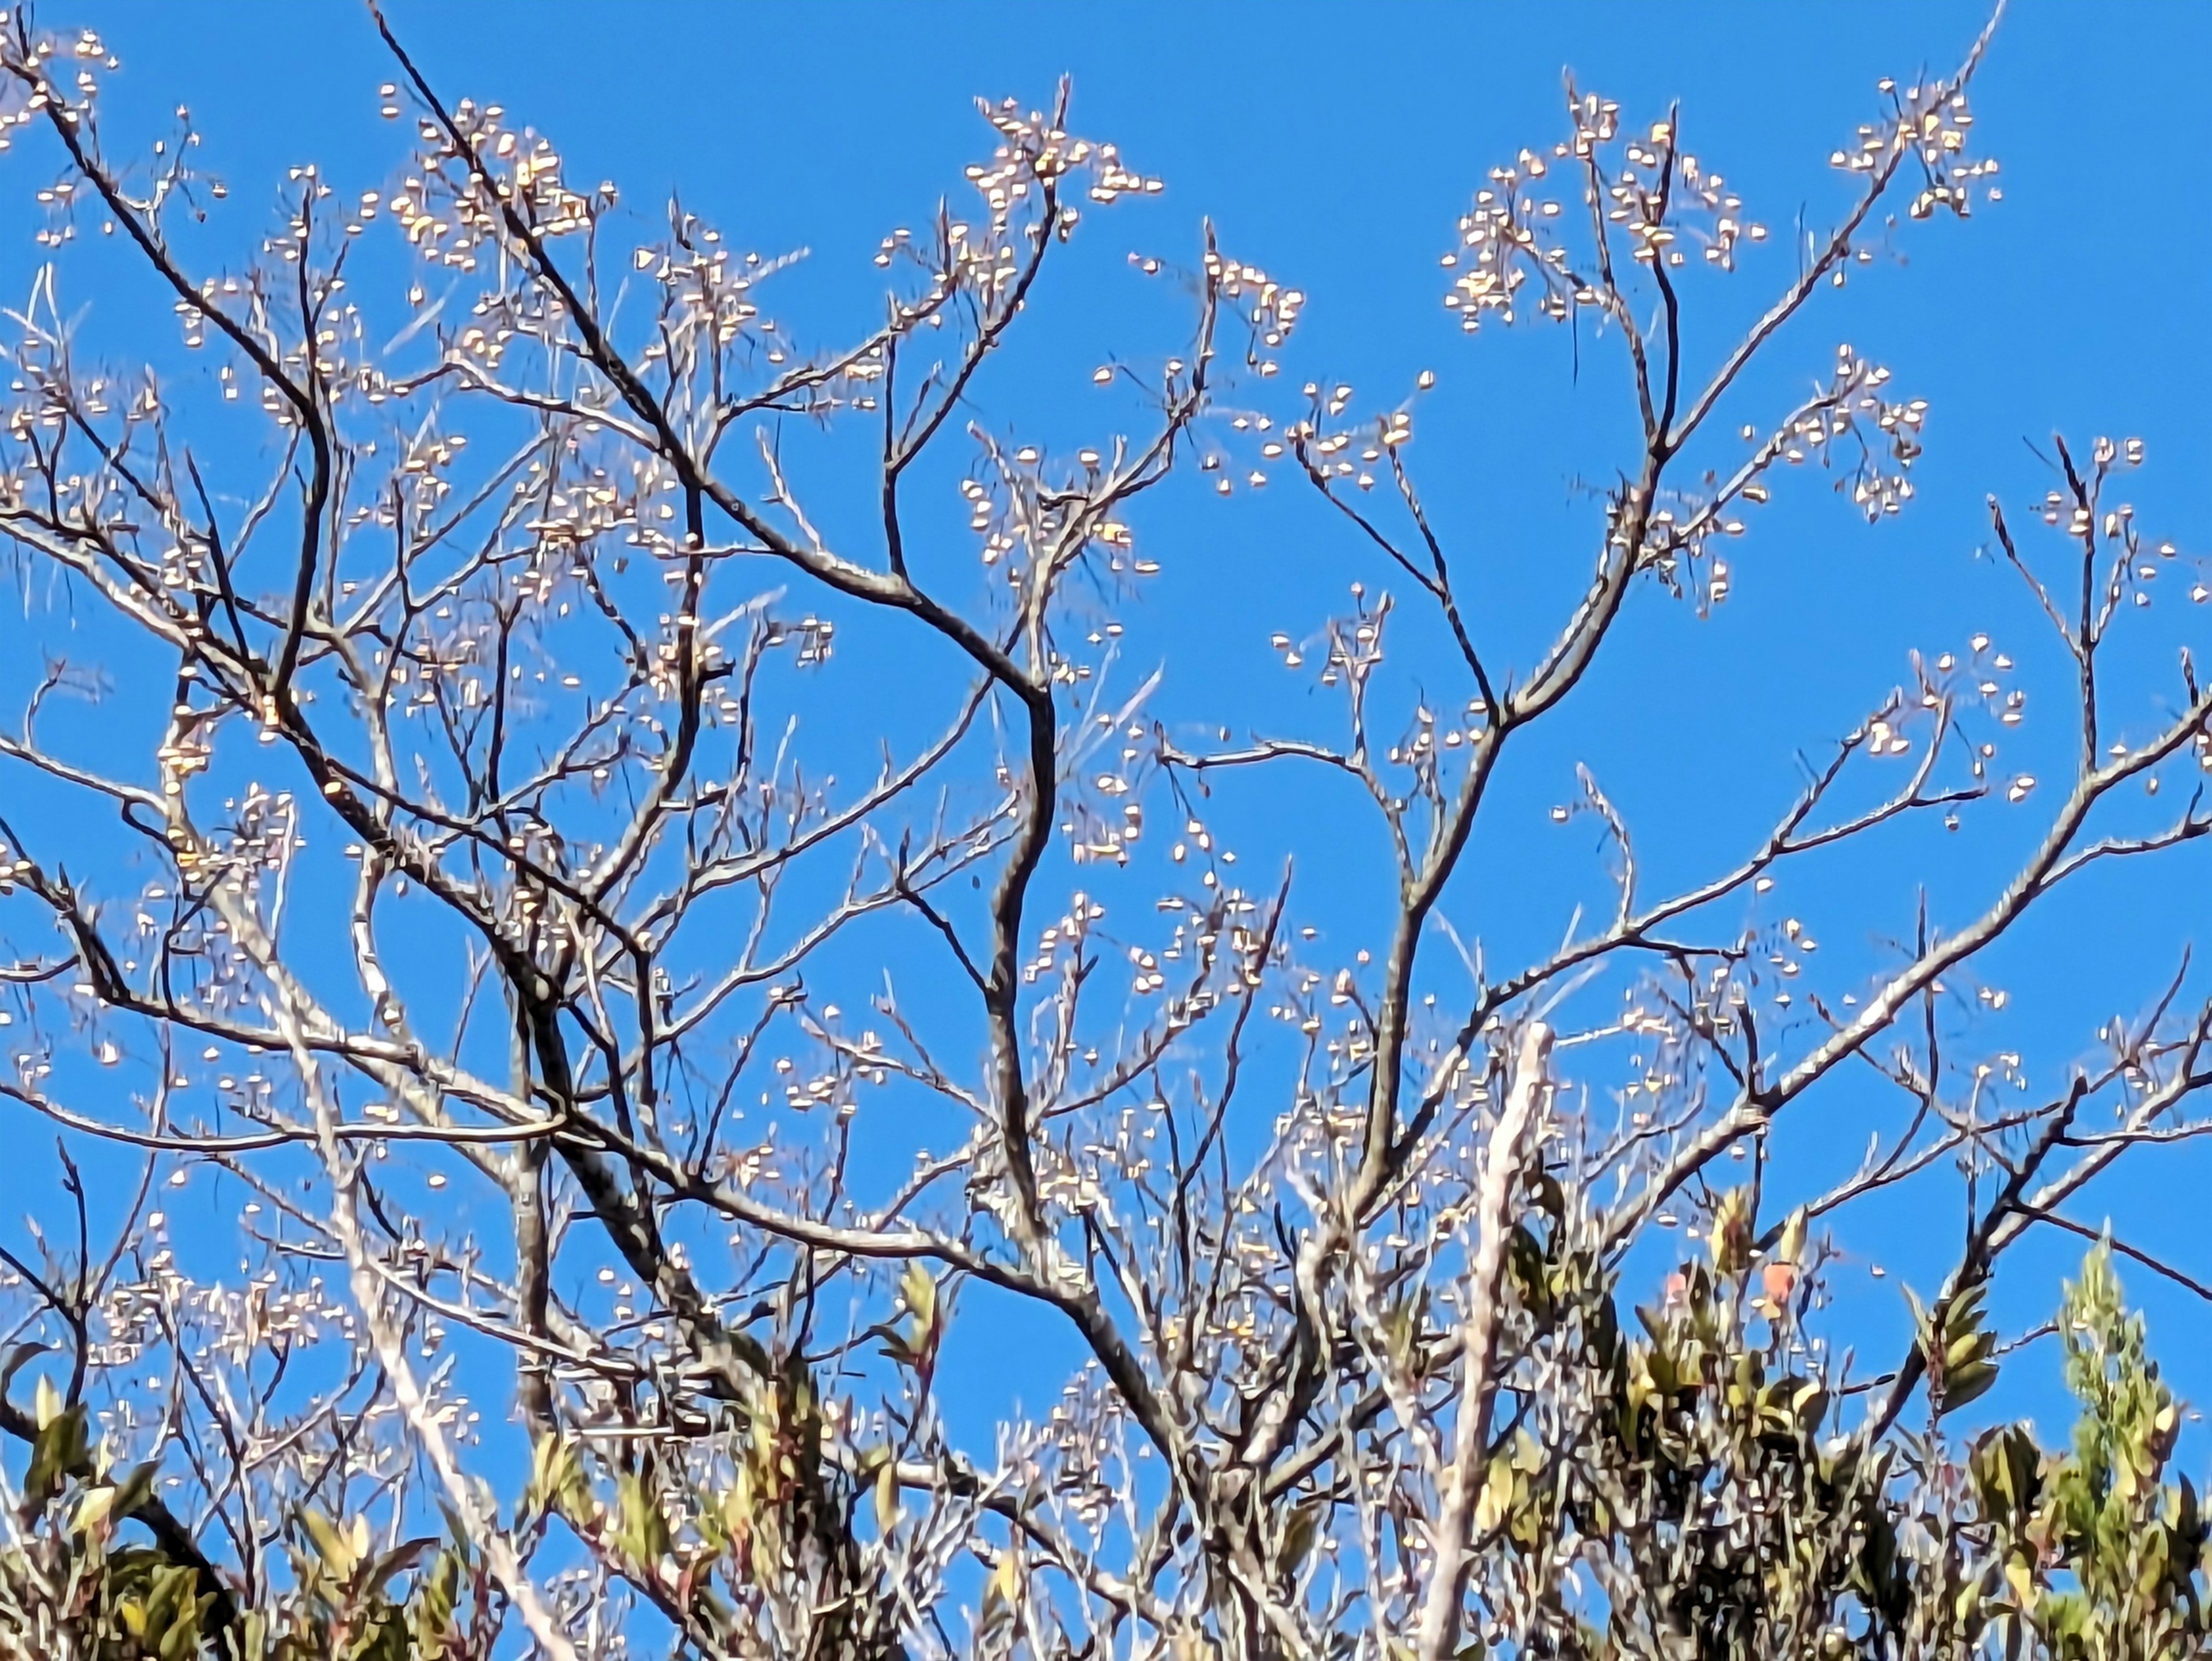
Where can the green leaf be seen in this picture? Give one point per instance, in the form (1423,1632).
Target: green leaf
(641,1530)
(919,1292)
(58,1449)
(887,1497)
(182,1639)
(1299,1533)
(557,1484)
(402,1556)
(330,1544)
(1730,1238)
(1966,1384)
(432,1617)
(1921,1328)
(172,1590)
(93,1510)
(136,1488)
(2007,1468)
(116,1499)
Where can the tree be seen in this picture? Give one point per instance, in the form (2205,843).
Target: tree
(474,915)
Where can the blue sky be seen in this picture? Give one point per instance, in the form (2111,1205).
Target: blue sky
(1336,146)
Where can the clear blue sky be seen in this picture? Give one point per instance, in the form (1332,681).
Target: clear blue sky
(1335,146)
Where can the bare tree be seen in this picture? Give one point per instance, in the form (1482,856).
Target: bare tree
(472,913)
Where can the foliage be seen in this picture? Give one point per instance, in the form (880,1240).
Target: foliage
(637,1036)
